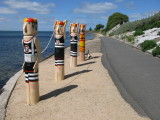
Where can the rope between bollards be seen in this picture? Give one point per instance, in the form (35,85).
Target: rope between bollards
(47,44)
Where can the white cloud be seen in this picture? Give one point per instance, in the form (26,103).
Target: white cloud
(36,7)
(5,10)
(95,7)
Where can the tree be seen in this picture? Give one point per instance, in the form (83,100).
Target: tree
(115,19)
(90,29)
(98,27)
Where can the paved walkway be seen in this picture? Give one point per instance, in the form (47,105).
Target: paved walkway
(87,93)
(137,72)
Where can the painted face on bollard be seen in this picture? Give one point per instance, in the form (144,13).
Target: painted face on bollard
(74,29)
(30,26)
(82,29)
(59,28)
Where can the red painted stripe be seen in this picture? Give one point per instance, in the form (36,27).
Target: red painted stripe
(28,71)
(33,81)
(28,40)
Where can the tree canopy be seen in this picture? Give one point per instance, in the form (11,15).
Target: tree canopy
(98,27)
(115,19)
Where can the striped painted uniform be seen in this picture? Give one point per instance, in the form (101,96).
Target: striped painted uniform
(59,51)
(73,50)
(30,56)
(82,43)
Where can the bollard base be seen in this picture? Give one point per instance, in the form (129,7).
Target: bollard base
(59,73)
(73,62)
(82,56)
(32,92)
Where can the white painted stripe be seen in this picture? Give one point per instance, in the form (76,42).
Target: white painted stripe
(73,42)
(33,78)
(26,75)
(59,60)
(59,63)
(59,46)
(73,52)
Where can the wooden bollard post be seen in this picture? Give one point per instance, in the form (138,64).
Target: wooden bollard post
(82,43)
(74,39)
(32,55)
(60,35)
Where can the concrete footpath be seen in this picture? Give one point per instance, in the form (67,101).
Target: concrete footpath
(87,93)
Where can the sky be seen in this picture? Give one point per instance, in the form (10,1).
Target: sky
(90,12)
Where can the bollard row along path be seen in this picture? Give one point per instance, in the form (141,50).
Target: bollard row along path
(87,93)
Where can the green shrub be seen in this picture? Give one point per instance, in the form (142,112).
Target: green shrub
(147,45)
(138,32)
(103,31)
(123,37)
(130,39)
(156,51)
(158,23)
(111,34)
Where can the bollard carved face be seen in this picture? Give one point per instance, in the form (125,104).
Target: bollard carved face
(59,28)
(30,26)
(82,29)
(74,29)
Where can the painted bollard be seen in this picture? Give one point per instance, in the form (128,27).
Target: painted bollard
(32,55)
(60,35)
(73,49)
(82,43)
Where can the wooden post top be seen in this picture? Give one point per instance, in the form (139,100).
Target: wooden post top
(82,28)
(73,29)
(59,29)
(30,26)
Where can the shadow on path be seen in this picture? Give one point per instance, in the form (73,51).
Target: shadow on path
(92,58)
(58,92)
(76,73)
(85,63)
